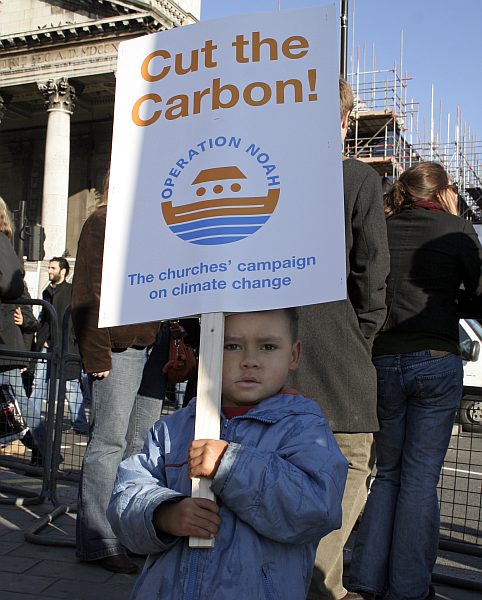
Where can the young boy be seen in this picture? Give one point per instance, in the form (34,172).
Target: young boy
(277,474)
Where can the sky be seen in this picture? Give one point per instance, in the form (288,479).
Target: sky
(442,45)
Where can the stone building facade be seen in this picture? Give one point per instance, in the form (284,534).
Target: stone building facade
(57,88)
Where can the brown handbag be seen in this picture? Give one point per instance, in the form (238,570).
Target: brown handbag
(182,362)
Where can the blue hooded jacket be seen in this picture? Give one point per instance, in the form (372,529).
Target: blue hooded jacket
(279,487)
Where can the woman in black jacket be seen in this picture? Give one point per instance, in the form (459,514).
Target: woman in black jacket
(12,287)
(11,279)
(419,370)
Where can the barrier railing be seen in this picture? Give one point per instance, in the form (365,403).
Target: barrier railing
(36,460)
(460,494)
(69,443)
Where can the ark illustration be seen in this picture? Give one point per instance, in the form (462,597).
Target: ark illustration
(227,216)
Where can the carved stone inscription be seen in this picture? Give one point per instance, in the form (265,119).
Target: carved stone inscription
(68,55)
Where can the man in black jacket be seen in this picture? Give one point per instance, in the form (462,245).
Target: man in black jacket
(59,294)
(336,369)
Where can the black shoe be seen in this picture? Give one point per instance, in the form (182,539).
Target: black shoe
(28,440)
(37,459)
(79,431)
(362,596)
(134,555)
(118,563)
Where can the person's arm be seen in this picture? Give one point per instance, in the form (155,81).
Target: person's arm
(24,316)
(291,495)
(11,279)
(43,332)
(29,323)
(140,489)
(94,342)
(471,258)
(369,257)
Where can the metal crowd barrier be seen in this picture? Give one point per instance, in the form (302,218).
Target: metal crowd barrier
(68,445)
(460,493)
(16,455)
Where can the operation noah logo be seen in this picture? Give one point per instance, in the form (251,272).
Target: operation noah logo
(214,207)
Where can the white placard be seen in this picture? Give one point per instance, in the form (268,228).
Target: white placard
(226,179)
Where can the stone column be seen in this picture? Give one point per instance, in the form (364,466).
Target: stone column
(59,96)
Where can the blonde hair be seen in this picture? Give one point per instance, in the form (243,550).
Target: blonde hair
(6,223)
(347,101)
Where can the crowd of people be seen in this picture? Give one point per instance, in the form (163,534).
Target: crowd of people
(313,398)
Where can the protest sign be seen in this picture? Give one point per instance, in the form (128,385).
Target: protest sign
(226,181)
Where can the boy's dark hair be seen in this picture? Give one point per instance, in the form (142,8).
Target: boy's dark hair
(63,263)
(292,315)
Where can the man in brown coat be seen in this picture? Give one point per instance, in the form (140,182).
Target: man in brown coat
(120,417)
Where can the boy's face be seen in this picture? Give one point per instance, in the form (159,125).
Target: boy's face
(258,355)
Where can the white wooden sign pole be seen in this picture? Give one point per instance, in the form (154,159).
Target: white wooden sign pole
(208,403)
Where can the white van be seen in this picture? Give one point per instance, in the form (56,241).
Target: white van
(470,414)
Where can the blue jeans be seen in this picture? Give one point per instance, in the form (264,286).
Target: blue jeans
(397,540)
(76,403)
(73,395)
(120,420)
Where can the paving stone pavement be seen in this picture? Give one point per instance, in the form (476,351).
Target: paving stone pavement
(48,572)
(31,571)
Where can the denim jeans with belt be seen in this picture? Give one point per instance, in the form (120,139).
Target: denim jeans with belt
(120,419)
(397,540)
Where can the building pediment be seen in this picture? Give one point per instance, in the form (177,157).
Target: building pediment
(110,26)
(42,40)
(50,22)
(192,7)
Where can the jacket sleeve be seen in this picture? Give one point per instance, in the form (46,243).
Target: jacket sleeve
(30,323)
(291,495)
(139,489)
(369,257)
(11,279)
(94,342)
(471,261)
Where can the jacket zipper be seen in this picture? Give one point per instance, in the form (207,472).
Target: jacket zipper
(225,430)
(267,584)
(193,574)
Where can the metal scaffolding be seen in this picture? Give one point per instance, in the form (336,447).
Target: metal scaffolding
(385,133)
(378,130)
